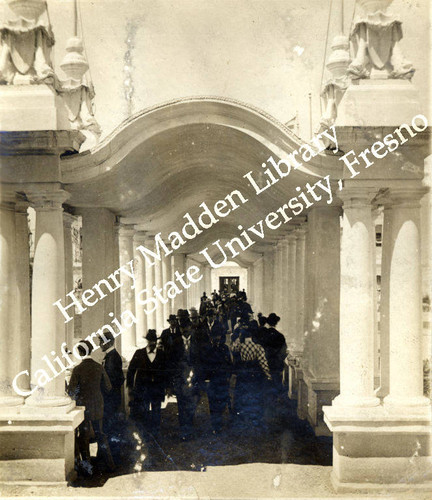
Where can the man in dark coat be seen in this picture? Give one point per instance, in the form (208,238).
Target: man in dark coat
(113,365)
(182,375)
(219,370)
(146,382)
(87,383)
(212,325)
(276,351)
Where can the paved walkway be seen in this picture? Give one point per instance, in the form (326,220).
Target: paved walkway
(282,459)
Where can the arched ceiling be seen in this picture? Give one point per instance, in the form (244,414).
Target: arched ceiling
(166,161)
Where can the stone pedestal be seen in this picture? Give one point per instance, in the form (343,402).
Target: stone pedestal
(37,447)
(32,107)
(320,359)
(378,103)
(376,449)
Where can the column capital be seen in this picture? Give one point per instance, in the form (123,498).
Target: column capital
(126,230)
(140,236)
(68,220)
(357,197)
(300,233)
(47,200)
(408,197)
(291,238)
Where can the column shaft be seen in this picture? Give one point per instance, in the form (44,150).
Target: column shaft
(69,284)
(48,323)
(8,288)
(127,293)
(406,364)
(356,302)
(140,277)
(300,289)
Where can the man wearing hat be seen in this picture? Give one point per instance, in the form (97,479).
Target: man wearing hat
(182,374)
(276,351)
(146,381)
(213,325)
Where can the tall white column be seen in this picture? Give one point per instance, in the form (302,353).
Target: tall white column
(356,301)
(292,294)
(268,281)
(300,289)
(150,281)
(127,293)
(159,313)
(406,364)
(387,249)
(48,323)
(258,284)
(167,276)
(99,260)
(8,288)
(23,354)
(139,267)
(179,264)
(68,219)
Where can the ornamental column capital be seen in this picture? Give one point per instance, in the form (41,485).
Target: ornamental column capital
(68,220)
(140,236)
(357,197)
(47,200)
(407,197)
(125,230)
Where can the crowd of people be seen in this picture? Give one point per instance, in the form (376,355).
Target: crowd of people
(219,351)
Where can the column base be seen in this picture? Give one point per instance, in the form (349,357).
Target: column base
(406,402)
(377,448)
(366,402)
(56,404)
(10,401)
(38,448)
(316,394)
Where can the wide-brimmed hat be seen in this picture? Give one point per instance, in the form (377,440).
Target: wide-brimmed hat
(183,317)
(273,319)
(193,313)
(151,335)
(172,317)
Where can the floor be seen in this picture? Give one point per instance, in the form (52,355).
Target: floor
(280,459)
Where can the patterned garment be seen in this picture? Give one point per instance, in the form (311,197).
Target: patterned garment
(249,351)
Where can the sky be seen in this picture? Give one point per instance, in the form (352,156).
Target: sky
(268,53)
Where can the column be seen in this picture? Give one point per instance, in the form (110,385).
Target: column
(149,283)
(268,281)
(98,262)
(291,294)
(278,281)
(127,293)
(8,288)
(179,264)
(300,289)
(68,219)
(387,248)
(23,321)
(159,313)
(258,283)
(207,280)
(167,276)
(48,323)
(405,343)
(284,311)
(356,301)
(140,277)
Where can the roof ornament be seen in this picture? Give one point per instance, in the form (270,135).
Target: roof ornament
(77,89)
(25,45)
(375,38)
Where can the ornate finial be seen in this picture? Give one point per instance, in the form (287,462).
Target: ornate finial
(74,63)
(78,93)
(375,39)
(336,85)
(26,41)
